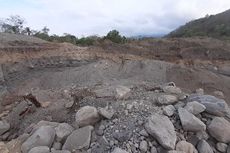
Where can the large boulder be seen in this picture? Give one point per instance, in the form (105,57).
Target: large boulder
(190,122)
(87,115)
(78,139)
(162,129)
(62,131)
(219,128)
(204,147)
(44,136)
(195,107)
(4,127)
(213,105)
(166,99)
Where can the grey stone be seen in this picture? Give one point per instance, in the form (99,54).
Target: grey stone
(57,145)
(213,105)
(169,110)
(44,136)
(62,151)
(119,150)
(105,112)
(219,94)
(228,149)
(4,127)
(162,129)
(200,91)
(122,92)
(87,115)
(171,89)
(62,131)
(78,139)
(222,147)
(154,150)
(204,147)
(195,107)
(122,136)
(190,122)
(219,129)
(166,99)
(143,146)
(185,147)
(40,149)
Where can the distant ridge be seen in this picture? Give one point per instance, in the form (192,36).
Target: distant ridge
(217,26)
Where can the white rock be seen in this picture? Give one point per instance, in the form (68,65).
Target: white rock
(172,89)
(162,129)
(118,150)
(190,122)
(195,107)
(204,147)
(40,149)
(78,139)
(222,147)
(166,99)
(169,110)
(219,129)
(105,112)
(44,136)
(62,131)
(185,147)
(122,92)
(87,115)
(143,146)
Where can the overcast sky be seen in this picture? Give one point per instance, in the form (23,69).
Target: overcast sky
(130,17)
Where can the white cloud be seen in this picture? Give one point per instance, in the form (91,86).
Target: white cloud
(131,17)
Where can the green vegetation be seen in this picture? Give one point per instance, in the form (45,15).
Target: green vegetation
(115,37)
(217,26)
(15,25)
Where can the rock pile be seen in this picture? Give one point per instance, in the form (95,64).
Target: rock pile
(164,121)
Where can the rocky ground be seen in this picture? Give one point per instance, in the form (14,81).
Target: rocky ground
(111,98)
(141,118)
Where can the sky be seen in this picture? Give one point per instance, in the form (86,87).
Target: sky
(98,17)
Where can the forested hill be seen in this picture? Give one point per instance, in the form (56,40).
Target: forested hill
(217,26)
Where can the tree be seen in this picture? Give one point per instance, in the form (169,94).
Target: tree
(13,24)
(45,30)
(114,36)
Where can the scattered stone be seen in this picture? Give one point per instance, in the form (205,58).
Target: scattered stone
(57,145)
(78,139)
(219,129)
(204,147)
(143,146)
(179,104)
(213,105)
(222,147)
(122,136)
(62,131)
(202,135)
(185,147)
(40,149)
(122,92)
(62,151)
(154,150)
(144,133)
(87,115)
(200,91)
(219,94)
(3,148)
(44,136)
(162,129)
(105,112)
(166,99)
(171,89)
(190,122)
(69,104)
(4,127)
(195,107)
(169,110)
(118,150)
(228,149)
